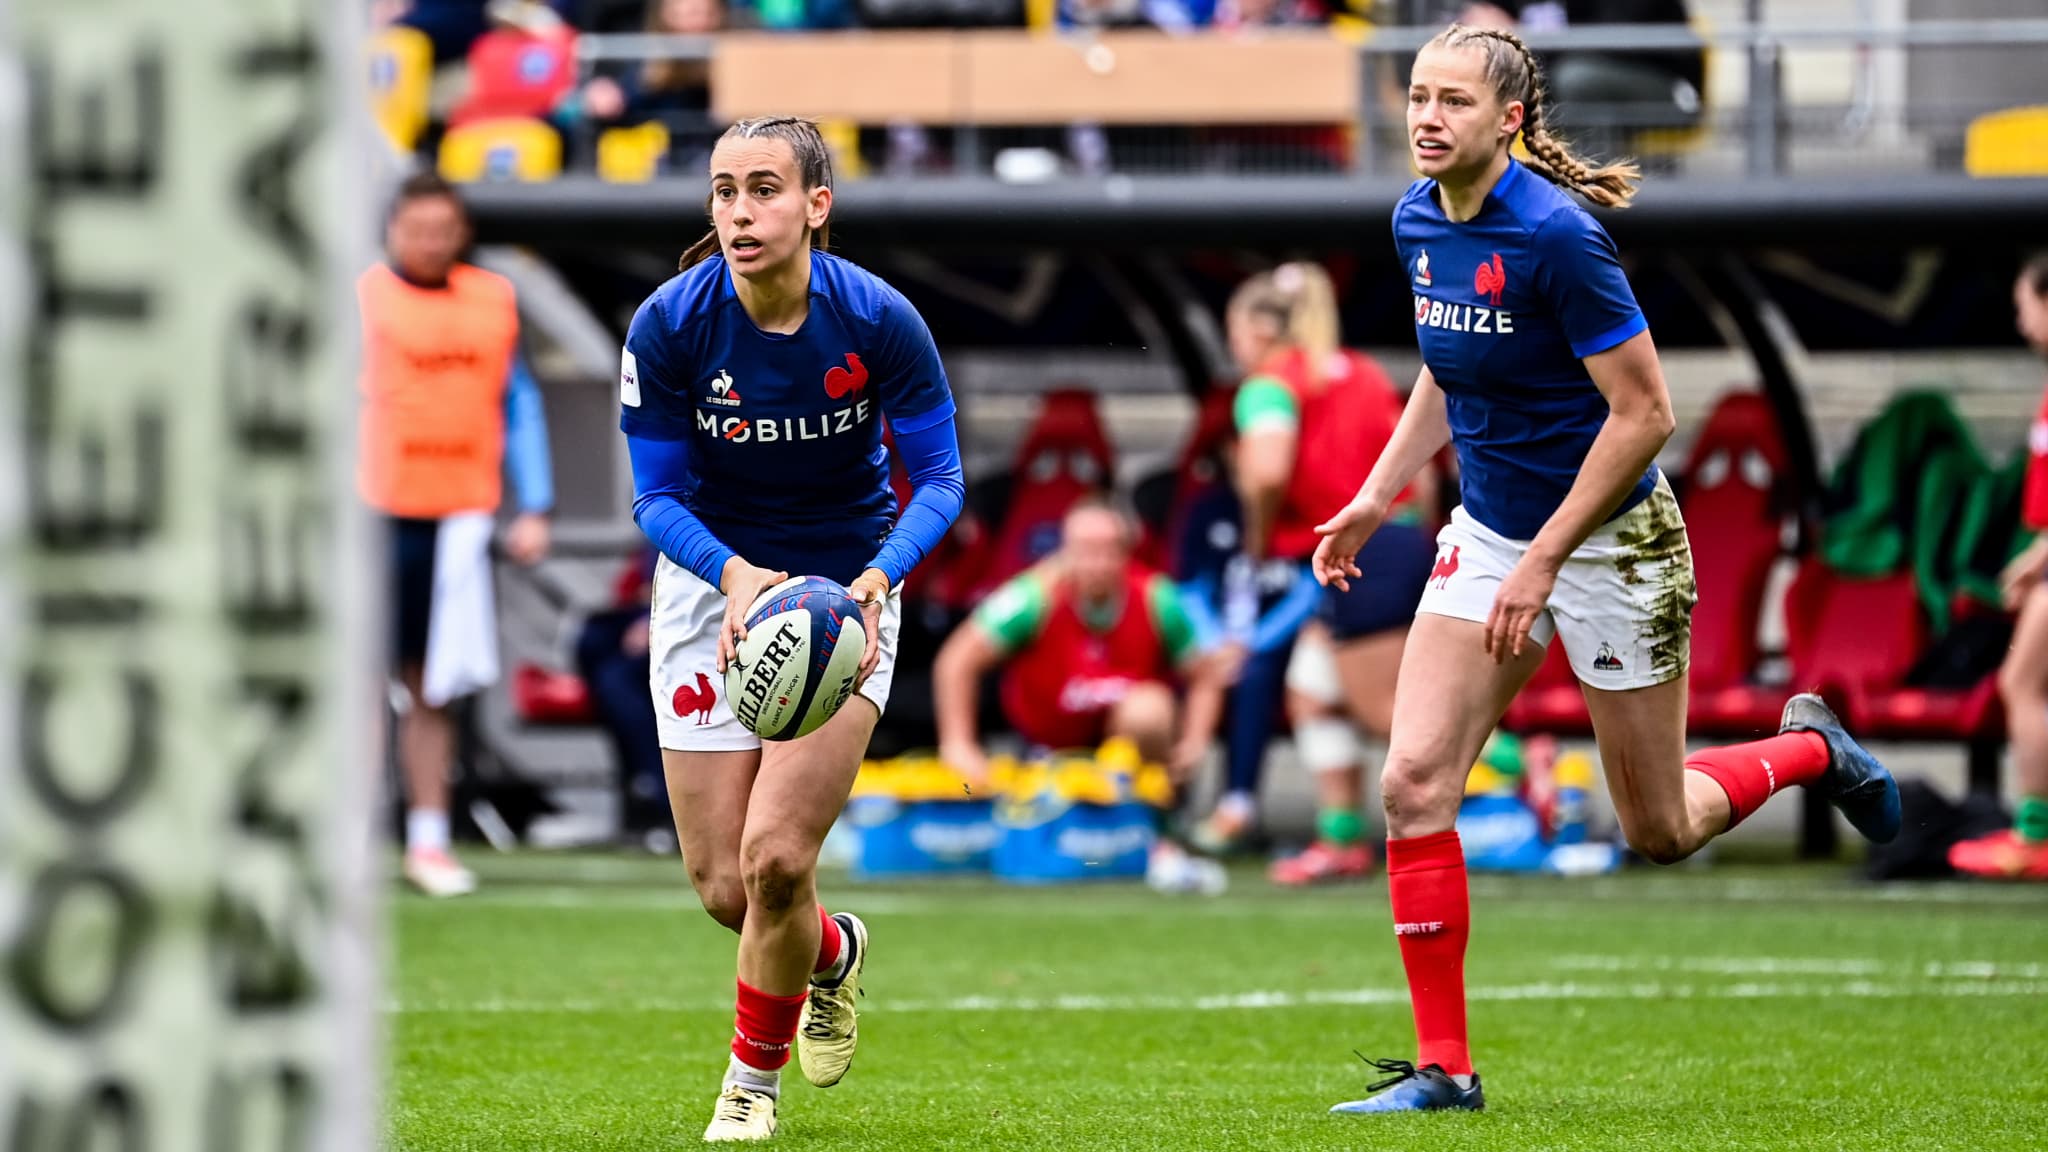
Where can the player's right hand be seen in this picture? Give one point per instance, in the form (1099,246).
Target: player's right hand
(1336,558)
(742,584)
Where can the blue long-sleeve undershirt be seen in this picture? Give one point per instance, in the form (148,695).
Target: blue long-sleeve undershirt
(938,490)
(526,441)
(660,468)
(931,456)
(1280,622)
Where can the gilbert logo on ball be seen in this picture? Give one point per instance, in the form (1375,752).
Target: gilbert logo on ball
(796,667)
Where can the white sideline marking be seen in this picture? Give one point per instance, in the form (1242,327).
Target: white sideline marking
(1267,1000)
(583,884)
(1740,965)
(1803,966)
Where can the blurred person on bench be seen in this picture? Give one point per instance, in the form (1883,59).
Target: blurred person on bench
(611,656)
(447,404)
(1091,643)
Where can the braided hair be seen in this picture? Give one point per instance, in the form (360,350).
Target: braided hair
(813,166)
(1512,70)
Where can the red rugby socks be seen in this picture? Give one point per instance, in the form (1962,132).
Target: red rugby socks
(764,1027)
(1432,921)
(1751,773)
(830,944)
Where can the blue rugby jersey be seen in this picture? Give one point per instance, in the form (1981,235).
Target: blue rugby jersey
(1507,305)
(783,433)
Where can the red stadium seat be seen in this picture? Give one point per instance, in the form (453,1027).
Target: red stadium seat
(544,696)
(515,74)
(1856,643)
(1066,455)
(1736,502)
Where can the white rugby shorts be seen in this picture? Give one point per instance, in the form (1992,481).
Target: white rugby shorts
(689,693)
(1622,603)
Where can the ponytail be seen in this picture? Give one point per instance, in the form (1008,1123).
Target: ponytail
(1312,323)
(1515,76)
(1301,302)
(704,249)
(813,166)
(1610,185)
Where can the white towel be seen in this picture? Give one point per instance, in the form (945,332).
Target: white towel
(462,624)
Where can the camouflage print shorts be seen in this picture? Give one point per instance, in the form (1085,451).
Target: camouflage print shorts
(1622,604)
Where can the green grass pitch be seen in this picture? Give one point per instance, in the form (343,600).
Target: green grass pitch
(584,1002)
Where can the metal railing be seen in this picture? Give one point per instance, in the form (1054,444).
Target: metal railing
(1752,135)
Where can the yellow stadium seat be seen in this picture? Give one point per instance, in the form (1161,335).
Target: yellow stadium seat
(525,151)
(2013,142)
(1352,28)
(842,137)
(632,155)
(401,78)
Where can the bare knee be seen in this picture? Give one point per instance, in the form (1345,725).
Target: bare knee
(777,871)
(723,895)
(1420,790)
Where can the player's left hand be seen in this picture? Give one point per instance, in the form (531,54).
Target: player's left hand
(870,590)
(526,541)
(1521,598)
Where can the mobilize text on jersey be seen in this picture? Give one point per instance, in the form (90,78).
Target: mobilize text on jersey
(770,429)
(1462,317)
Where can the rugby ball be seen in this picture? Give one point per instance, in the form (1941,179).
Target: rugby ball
(805,638)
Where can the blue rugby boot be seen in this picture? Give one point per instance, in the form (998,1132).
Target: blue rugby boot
(1412,1089)
(1856,783)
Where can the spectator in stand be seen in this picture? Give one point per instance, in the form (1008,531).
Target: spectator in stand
(797,15)
(453,25)
(1165,15)
(2021,852)
(525,68)
(1252,15)
(662,88)
(611,656)
(447,403)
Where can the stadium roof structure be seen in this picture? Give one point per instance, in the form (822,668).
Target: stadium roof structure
(1196,211)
